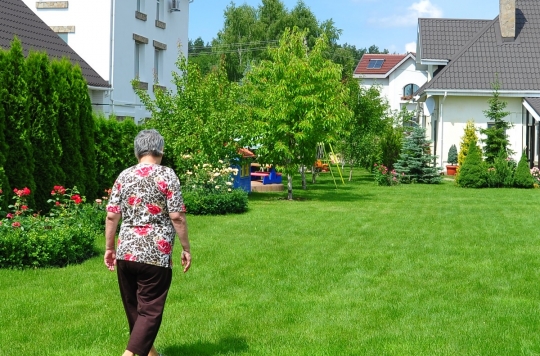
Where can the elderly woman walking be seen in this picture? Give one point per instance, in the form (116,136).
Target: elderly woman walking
(148,199)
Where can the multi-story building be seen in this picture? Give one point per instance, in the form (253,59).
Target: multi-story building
(122,40)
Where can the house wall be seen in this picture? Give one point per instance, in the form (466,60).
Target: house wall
(457,110)
(392,86)
(104,37)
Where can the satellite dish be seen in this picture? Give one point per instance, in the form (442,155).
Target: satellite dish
(430,105)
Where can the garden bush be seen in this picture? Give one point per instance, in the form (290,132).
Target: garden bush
(502,172)
(473,172)
(523,177)
(204,203)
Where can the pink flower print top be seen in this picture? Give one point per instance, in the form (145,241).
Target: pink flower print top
(145,194)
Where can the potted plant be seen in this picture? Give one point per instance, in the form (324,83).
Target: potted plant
(452,161)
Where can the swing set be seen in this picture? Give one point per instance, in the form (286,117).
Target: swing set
(324,162)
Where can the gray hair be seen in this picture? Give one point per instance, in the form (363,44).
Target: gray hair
(149,142)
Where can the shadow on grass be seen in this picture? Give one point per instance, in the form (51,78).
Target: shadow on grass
(229,345)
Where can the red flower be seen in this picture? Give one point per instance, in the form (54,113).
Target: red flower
(24,207)
(26,191)
(1,191)
(9,216)
(162,186)
(142,230)
(130,257)
(113,209)
(133,200)
(153,209)
(76,198)
(57,203)
(144,171)
(16,224)
(58,189)
(164,247)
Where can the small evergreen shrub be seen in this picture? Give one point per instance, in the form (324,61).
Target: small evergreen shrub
(501,173)
(452,155)
(416,163)
(523,177)
(473,171)
(203,203)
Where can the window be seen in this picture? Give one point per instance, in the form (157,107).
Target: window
(409,90)
(158,10)
(63,35)
(375,63)
(157,65)
(138,54)
(140,5)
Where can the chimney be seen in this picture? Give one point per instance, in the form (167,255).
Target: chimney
(507,19)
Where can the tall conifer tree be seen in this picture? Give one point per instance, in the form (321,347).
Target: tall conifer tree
(87,128)
(68,125)
(43,103)
(4,183)
(19,165)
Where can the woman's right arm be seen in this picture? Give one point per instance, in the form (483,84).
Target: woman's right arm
(180,226)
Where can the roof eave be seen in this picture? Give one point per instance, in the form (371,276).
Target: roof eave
(480,92)
(436,62)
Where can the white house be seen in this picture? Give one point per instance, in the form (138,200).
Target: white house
(396,74)
(122,40)
(464,58)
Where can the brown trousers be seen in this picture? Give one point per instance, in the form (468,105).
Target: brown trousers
(143,289)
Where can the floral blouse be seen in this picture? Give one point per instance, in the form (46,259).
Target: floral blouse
(145,194)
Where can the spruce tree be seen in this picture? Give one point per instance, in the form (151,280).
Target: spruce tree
(44,128)
(19,166)
(473,173)
(4,183)
(68,126)
(496,137)
(468,136)
(416,163)
(523,177)
(87,128)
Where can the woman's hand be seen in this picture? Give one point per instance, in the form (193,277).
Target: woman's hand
(110,259)
(186,260)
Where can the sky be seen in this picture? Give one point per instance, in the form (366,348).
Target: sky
(388,24)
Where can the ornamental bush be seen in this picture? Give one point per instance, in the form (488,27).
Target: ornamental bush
(202,203)
(473,171)
(523,177)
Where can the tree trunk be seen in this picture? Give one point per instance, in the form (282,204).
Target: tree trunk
(350,174)
(289,187)
(313,174)
(303,172)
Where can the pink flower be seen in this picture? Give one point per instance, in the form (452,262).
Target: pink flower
(133,200)
(142,230)
(9,216)
(99,201)
(1,191)
(16,224)
(57,203)
(24,207)
(113,209)
(164,247)
(130,257)
(153,209)
(164,188)
(144,171)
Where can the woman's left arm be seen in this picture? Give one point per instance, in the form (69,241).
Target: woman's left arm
(111,224)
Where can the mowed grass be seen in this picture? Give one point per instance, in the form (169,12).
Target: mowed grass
(361,270)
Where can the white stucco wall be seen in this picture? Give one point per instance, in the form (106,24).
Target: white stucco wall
(102,25)
(392,86)
(457,110)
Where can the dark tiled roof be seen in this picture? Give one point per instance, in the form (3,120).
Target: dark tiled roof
(534,103)
(17,19)
(442,38)
(390,61)
(485,57)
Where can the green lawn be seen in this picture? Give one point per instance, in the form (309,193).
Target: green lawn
(362,270)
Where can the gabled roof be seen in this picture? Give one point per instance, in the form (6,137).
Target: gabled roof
(485,57)
(17,19)
(391,62)
(441,39)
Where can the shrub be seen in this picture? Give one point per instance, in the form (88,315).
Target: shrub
(523,177)
(452,155)
(384,176)
(473,172)
(468,136)
(502,172)
(416,163)
(203,203)
(535,172)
